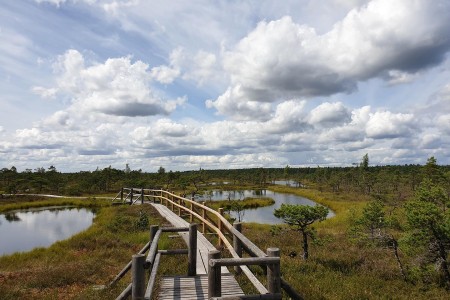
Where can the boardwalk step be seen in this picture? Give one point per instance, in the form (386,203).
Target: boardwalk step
(195,287)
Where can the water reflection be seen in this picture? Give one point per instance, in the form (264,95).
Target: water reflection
(25,230)
(262,214)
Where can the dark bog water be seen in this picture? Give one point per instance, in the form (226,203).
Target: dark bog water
(25,230)
(262,214)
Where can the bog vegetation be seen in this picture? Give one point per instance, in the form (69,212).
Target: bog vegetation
(390,237)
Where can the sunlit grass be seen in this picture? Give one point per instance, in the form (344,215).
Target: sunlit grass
(247,203)
(26,203)
(71,269)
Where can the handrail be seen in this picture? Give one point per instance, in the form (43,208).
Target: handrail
(246,244)
(139,262)
(253,279)
(253,249)
(271,262)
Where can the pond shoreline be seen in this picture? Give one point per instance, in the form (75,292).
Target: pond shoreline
(23,230)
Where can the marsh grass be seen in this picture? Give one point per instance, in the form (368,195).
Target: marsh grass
(339,268)
(71,269)
(18,203)
(247,203)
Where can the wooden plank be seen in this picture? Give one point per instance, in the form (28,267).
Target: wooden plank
(203,245)
(195,287)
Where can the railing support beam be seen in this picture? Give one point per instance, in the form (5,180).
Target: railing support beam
(273,272)
(237,245)
(138,277)
(192,250)
(214,276)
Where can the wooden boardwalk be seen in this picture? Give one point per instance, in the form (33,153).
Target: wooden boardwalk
(193,287)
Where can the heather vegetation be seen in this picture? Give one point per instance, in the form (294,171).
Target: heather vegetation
(390,237)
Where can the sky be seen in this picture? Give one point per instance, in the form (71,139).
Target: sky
(87,84)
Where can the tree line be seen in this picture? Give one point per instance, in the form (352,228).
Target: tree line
(392,182)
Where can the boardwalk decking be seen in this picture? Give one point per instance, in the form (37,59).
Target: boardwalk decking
(193,287)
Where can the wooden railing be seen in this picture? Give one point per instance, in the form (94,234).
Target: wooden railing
(272,262)
(204,215)
(136,289)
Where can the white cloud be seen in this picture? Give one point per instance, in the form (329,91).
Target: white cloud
(353,131)
(117,87)
(389,125)
(289,116)
(430,141)
(45,93)
(234,103)
(329,114)
(248,70)
(283,59)
(203,68)
(399,77)
(165,74)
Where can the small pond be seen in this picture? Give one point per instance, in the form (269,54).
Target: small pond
(27,229)
(262,214)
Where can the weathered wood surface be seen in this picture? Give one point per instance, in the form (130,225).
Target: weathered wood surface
(203,245)
(195,287)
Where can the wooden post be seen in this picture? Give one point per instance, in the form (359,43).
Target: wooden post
(138,277)
(204,217)
(153,231)
(237,246)
(219,225)
(192,250)
(131,196)
(171,203)
(214,276)
(142,196)
(191,208)
(121,194)
(273,272)
(179,208)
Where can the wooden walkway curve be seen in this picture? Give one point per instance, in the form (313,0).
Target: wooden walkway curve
(193,287)
(206,269)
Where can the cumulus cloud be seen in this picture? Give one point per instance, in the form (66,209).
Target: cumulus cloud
(165,74)
(283,59)
(350,132)
(202,68)
(329,114)
(289,116)
(389,125)
(235,104)
(430,141)
(260,78)
(199,67)
(117,87)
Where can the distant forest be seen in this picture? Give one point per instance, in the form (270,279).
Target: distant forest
(379,181)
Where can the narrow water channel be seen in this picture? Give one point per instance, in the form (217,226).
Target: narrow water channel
(262,215)
(25,230)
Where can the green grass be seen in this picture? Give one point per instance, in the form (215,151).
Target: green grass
(71,269)
(18,203)
(247,203)
(337,269)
